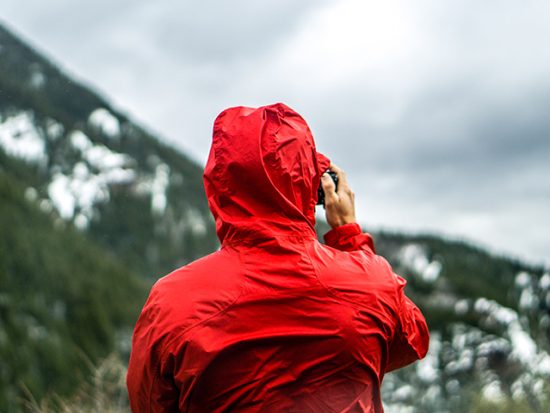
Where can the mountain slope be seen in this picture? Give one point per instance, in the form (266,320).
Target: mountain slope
(98,169)
(63,301)
(89,201)
(489,319)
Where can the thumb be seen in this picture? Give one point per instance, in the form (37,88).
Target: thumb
(329,188)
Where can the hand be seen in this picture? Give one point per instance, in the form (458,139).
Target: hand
(339,205)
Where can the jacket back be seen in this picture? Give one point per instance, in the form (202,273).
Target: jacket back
(274,320)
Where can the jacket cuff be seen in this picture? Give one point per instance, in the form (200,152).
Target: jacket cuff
(346,230)
(349,237)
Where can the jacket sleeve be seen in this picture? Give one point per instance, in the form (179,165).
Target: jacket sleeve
(349,237)
(410,341)
(411,338)
(149,390)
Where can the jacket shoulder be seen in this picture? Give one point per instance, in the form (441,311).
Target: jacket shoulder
(195,292)
(364,280)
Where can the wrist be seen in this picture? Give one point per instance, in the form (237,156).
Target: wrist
(342,221)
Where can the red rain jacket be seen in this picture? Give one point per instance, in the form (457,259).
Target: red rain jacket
(274,321)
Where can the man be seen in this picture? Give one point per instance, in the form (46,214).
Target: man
(274,321)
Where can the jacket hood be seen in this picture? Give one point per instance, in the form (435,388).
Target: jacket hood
(262,174)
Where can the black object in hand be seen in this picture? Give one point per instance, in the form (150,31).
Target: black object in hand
(321,193)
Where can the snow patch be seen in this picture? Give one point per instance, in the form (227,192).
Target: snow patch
(495,345)
(427,369)
(77,192)
(524,348)
(414,257)
(523,279)
(61,196)
(398,408)
(453,386)
(81,221)
(544,282)
(492,309)
(159,187)
(54,129)
(156,186)
(528,300)
(523,345)
(196,221)
(80,141)
(46,206)
(462,307)
(403,393)
(464,363)
(103,158)
(98,156)
(493,392)
(31,194)
(105,121)
(20,138)
(37,79)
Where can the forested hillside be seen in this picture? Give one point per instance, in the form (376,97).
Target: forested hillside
(64,301)
(98,169)
(93,210)
(489,319)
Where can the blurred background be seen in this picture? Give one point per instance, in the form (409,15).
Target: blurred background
(437,111)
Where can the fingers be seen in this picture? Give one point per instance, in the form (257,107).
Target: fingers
(339,205)
(343,186)
(329,188)
(342,178)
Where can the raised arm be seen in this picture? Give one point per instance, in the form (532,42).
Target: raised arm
(411,337)
(346,234)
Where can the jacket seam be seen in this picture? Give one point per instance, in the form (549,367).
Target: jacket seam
(330,291)
(354,304)
(199,323)
(166,346)
(185,331)
(318,278)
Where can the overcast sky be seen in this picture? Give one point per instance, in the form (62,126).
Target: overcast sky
(438,110)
